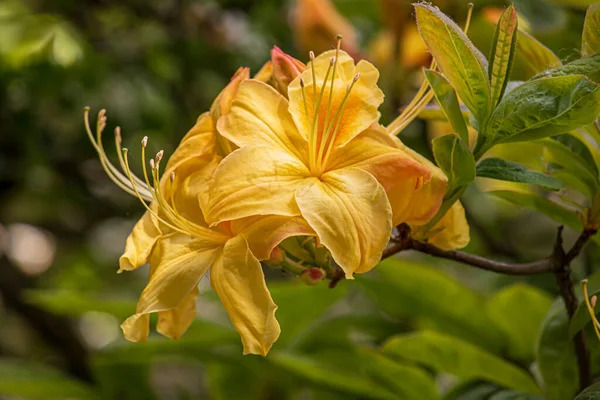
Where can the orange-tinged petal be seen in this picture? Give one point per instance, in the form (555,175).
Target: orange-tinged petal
(359,110)
(285,69)
(259,117)
(350,213)
(140,243)
(238,279)
(174,322)
(222,104)
(255,181)
(263,234)
(265,73)
(388,164)
(452,231)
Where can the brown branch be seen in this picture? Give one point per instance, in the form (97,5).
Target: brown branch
(558,263)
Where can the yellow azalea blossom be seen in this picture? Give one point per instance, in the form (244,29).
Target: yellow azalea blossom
(174,238)
(315,156)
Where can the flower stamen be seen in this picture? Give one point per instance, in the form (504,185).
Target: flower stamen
(590,304)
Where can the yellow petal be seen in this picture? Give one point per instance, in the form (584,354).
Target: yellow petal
(360,109)
(265,73)
(179,262)
(388,164)
(350,212)
(263,234)
(174,322)
(238,279)
(452,232)
(140,243)
(136,328)
(259,117)
(255,181)
(197,146)
(222,104)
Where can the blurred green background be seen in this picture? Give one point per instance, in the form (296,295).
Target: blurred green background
(414,328)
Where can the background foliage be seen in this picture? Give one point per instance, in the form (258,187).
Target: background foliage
(414,328)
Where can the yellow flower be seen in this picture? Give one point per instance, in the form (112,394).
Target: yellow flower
(285,69)
(314,156)
(174,238)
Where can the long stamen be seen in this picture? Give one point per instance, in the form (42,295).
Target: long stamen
(338,118)
(310,153)
(337,51)
(314,130)
(590,307)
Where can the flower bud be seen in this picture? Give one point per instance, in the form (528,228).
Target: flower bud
(285,69)
(277,256)
(312,276)
(316,24)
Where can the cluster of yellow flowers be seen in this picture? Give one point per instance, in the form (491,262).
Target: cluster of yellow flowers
(295,151)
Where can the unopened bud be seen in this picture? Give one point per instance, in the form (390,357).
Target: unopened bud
(277,256)
(312,276)
(285,69)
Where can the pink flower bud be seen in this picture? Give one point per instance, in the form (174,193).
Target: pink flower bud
(285,69)
(312,276)
(277,256)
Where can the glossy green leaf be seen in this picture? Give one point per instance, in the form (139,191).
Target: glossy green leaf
(319,373)
(497,168)
(512,395)
(542,108)
(533,55)
(590,393)
(407,382)
(580,148)
(590,40)
(399,292)
(433,112)
(472,390)
(35,381)
(587,66)
(446,98)
(518,311)
(460,62)
(453,156)
(582,316)
(453,356)
(547,207)
(503,51)
(555,355)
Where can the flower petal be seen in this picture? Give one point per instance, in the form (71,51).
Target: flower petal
(259,117)
(452,232)
(360,107)
(238,279)
(415,202)
(255,181)
(177,264)
(263,234)
(350,212)
(386,163)
(197,146)
(174,322)
(140,243)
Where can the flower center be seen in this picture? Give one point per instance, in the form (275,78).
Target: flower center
(322,136)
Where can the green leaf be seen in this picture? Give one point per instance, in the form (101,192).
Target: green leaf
(556,356)
(518,311)
(512,395)
(433,112)
(503,51)
(580,149)
(321,373)
(407,382)
(497,168)
(582,316)
(453,356)
(590,40)
(542,108)
(534,56)
(458,59)
(446,98)
(399,292)
(35,381)
(547,207)
(472,390)
(590,393)
(453,156)
(587,66)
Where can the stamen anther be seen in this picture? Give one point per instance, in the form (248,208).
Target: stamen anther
(173,176)
(152,164)
(118,138)
(301,83)
(356,77)
(593,301)
(311,55)
(159,156)
(145,141)
(332,62)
